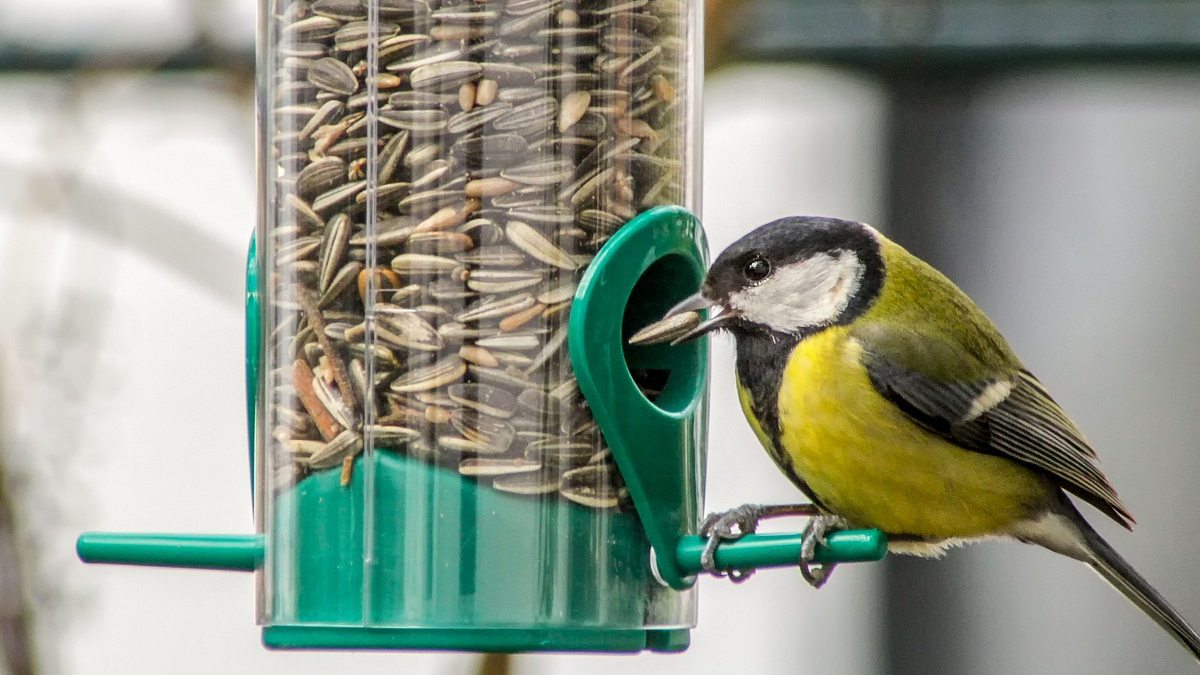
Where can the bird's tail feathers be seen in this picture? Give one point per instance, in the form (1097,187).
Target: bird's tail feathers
(1116,571)
(1068,533)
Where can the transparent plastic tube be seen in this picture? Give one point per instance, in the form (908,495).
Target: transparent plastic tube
(436,177)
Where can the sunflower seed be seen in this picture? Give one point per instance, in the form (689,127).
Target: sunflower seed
(642,66)
(406,330)
(529,483)
(541,172)
(319,176)
(434,172)
(391,8)
(439,242)
(329,397)
(492,309)
(517,320)
(518,341)
(459,444)
(344,10)
(496,467)
(423,154)
(537,246)
(444,76)
(443,372)
(337,196)
(346,444)
(497,434)
(297,249)
(311,28)
(543,215)
(354,35)
(479,356)
(574,106)
(329,111)
(490,187)
(667,329)
(514,94)
(388,233)
(484,398)
(330,74)
(341,282)
(473,120)
(501,377)
(491,256)
(497,149)
(416,121)
(440,55)
(596,220)
(559,453)
(485,91)
(626,42)
(383,279)
(533,114)
(420,263)
(557,294)
(592,486)
(456,331)
(502,281)
(549,350)
(392,436)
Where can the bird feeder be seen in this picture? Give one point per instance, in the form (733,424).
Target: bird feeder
(466,209)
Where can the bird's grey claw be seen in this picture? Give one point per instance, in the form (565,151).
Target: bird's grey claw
(816,574)
(727,525)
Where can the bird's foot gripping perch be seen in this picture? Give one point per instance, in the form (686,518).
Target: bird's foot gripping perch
(740,521)
(814,533)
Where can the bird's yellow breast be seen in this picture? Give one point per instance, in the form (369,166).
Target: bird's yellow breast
(866,461)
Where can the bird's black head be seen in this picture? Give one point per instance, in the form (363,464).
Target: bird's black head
(792,276)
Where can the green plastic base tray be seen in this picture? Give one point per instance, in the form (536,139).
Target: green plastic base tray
(465,565)
(475,640)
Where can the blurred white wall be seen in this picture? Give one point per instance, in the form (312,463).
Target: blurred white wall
(159,25)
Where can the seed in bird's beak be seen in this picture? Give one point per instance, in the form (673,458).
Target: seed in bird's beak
(667,329)
(684,322)
(719,316)
(719,319)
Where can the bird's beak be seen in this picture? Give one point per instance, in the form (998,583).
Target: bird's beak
(721,315)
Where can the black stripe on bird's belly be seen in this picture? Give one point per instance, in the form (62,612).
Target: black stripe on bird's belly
(761,359)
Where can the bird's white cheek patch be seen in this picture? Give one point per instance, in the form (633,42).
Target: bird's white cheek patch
(812,292)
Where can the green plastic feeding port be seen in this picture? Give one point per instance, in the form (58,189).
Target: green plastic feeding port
(399,546)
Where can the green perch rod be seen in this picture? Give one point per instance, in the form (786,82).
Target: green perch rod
(246,552)
(783,550)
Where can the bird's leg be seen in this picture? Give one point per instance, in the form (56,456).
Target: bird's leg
(814,533)
(736,523)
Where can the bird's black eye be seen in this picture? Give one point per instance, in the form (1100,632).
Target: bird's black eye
(757,269)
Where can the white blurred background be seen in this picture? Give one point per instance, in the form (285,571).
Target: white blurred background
(1064,200)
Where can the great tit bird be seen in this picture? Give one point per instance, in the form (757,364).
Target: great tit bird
(892,402)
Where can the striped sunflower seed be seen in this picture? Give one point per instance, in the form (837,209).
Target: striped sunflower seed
(538,246)
(330,74)
(443,372)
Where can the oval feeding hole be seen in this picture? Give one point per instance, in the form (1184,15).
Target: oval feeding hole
(650,381)
(668,376)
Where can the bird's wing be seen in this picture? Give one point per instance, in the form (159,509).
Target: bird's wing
(999,411)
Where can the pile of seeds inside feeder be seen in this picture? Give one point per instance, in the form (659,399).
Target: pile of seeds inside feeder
(512,138)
